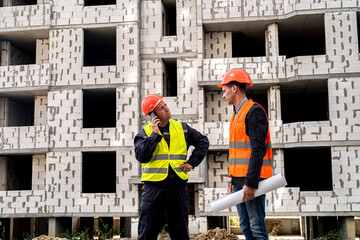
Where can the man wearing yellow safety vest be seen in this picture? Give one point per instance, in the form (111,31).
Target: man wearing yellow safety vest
(250,153)
(161,147)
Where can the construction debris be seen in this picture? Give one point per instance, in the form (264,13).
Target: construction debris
(217,234)
(44,237)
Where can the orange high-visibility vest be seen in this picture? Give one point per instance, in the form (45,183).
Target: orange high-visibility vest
(239,146)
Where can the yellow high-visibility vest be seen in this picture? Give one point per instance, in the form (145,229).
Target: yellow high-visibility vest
(157,168)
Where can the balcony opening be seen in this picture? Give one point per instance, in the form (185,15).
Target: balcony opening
(21,226)
(5,228)
(168,8)
(17,172)
(248,43)
(169,77)
(41,226)
(191,198)
(8,3)
(214,222)
(99,108)
(87,223)
(302,35)
(63,224)
(99,172)
(20,111)
(125,227)
(100,46)
(102,225)
(99,2)
(308,97)
(18,53)
(318,226)
(24,47)
(259,95)
(320,161)
(106,224)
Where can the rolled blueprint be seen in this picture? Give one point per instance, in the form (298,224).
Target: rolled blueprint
(265,186)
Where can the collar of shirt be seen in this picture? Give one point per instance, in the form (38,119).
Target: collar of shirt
(165,130)
(237,109)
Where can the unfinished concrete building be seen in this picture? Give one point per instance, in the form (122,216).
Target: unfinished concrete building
(73,73)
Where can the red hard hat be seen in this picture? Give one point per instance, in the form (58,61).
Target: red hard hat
(238,75)
(149,103)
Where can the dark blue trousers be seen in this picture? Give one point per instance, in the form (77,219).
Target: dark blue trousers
(160,205)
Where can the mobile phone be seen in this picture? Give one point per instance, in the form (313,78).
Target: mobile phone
(152,115)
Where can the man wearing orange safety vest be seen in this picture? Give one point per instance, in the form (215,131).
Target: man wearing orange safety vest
(250,153)
(162,146)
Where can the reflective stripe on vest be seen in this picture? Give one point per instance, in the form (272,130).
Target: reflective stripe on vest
(240,161)
(240,148)
(159,170)
(164,156)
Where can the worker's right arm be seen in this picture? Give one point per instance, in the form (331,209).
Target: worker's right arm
(145,145)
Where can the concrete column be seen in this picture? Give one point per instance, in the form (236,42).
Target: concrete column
(96,226)
(348,223)
(279,162)
(274,102)
(43,1)
(272,40)
(3,173)
(7,3)
(32,227)
(52,227)
(40,118)
(116,226)
(5,51)
(11,234)
(75,226)
(3,111)
(42,51)
(303,226)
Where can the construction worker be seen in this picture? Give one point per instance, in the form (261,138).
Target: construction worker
(161,147)
(250,153)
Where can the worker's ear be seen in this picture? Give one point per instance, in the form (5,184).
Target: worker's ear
(234,88)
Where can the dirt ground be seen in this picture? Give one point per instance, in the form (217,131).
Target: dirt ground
(216,234)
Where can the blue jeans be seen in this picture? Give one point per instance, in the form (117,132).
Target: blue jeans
(252,218)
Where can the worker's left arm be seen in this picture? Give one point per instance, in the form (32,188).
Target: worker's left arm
(256,129)
(199,141)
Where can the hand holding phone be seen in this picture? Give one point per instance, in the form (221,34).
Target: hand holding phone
(155,122)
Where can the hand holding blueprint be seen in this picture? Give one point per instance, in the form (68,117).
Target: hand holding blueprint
(265,186)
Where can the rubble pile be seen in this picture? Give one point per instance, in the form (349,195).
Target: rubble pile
(44,237)
(216,234)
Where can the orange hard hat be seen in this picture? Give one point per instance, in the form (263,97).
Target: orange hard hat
(238,75)
(149,103)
